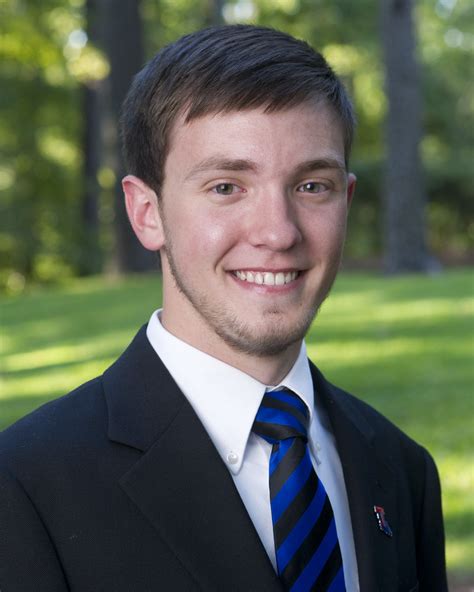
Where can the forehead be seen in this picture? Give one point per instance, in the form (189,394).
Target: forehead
(302,132)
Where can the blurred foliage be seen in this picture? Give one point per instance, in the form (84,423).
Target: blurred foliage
(45,59)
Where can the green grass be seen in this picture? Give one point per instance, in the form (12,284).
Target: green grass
(405,345)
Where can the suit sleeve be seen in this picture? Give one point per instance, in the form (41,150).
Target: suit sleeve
(430,552)
(28,560)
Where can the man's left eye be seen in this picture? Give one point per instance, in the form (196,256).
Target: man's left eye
(312,187)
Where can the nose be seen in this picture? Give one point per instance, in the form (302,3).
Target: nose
(274,222)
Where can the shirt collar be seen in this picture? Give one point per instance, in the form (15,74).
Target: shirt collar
(300,381)
(224,398)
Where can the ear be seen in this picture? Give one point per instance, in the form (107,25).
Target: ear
(351,185)
(143,212)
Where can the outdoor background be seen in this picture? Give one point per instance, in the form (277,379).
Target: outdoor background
(398,328)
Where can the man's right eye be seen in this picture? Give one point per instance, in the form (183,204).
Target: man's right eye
(225,188)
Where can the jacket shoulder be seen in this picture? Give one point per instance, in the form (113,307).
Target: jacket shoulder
(55,424)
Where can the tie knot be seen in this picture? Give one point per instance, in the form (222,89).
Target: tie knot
(281,415)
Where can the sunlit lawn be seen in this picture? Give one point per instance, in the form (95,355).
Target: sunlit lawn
(405,345)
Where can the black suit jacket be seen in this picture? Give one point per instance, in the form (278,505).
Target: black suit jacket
(117,487)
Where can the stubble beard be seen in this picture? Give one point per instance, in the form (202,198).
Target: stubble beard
(274,338)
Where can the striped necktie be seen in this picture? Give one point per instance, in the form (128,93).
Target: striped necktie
(306,545)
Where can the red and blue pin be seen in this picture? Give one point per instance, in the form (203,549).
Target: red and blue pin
(382,521)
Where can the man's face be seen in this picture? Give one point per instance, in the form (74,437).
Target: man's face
(253,209)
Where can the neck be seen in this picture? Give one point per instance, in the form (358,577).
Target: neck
(269,370)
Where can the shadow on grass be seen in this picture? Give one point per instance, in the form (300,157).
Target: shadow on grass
(93,310)
(406,288)
(45,369)
(461,523)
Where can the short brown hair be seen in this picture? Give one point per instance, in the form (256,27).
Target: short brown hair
(222,69)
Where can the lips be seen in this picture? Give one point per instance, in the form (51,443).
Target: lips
(267,278)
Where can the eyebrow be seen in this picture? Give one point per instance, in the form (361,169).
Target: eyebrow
(320,163)
(216,163)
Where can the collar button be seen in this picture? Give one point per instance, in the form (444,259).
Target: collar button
(232,458)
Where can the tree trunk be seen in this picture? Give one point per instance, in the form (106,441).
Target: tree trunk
(124,49)
(404,191)
(214,15)
(91,257)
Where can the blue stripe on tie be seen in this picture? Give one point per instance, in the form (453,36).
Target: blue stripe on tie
(294,401)
(301,529)
(338,584)
(278,456)
(275,416)
(291,488)
(315,565)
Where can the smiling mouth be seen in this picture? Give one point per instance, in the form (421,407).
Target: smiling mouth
(267,278)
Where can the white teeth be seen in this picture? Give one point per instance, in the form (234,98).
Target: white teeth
(267,278)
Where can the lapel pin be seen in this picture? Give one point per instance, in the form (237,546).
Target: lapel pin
(382,521)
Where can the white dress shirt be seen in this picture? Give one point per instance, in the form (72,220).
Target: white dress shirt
(226,401)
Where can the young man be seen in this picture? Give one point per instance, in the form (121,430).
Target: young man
(213,455)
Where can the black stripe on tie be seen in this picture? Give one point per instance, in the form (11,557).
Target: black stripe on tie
(329,571)
(311,543)
(271,403)
(295,510)
(274,431)
(287,466)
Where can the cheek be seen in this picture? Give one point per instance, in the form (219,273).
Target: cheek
(202,236)
(326,231)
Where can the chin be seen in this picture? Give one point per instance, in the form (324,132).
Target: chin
(269,339)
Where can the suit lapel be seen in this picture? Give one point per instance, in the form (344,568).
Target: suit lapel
(370,482)
(180,484)
(182,487)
